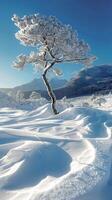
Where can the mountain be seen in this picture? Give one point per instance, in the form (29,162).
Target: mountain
(88,81)
(36,84)
(97,79)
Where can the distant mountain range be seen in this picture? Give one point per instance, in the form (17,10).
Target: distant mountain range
(97,79)
(37,84)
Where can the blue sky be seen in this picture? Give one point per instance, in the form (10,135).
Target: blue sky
(91,18)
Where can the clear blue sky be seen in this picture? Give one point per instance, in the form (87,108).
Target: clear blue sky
(91,18)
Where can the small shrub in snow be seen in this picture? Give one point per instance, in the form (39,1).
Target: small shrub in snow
(20,97)
(85,104)
(100,101)
(35,96)
(93,97)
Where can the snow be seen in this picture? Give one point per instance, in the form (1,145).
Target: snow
(62,157)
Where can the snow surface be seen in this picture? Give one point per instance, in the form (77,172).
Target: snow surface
(62,157)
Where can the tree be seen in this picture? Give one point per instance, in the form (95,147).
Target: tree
(34,95)
(100,101)
(20,96)
(12,94)
(54,43)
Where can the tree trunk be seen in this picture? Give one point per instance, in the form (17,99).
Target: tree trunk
(50,91)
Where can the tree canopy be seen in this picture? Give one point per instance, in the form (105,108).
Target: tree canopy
(54,41)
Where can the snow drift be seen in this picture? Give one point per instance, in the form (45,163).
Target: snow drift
(63,157)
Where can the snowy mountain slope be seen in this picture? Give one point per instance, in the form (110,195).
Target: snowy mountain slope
(88,81)
(37,84)
(97,79)
(63,157)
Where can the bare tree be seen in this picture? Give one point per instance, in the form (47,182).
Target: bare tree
(54,43)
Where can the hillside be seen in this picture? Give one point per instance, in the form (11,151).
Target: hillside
(97,79)
(88,81)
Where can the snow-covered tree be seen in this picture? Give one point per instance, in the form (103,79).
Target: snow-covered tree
(12,94)
(35,95)
(85,104)
(100,101)
(20,96)
(64,99)
(54,43)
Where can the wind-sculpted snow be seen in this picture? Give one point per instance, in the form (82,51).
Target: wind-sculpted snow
(62,157)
